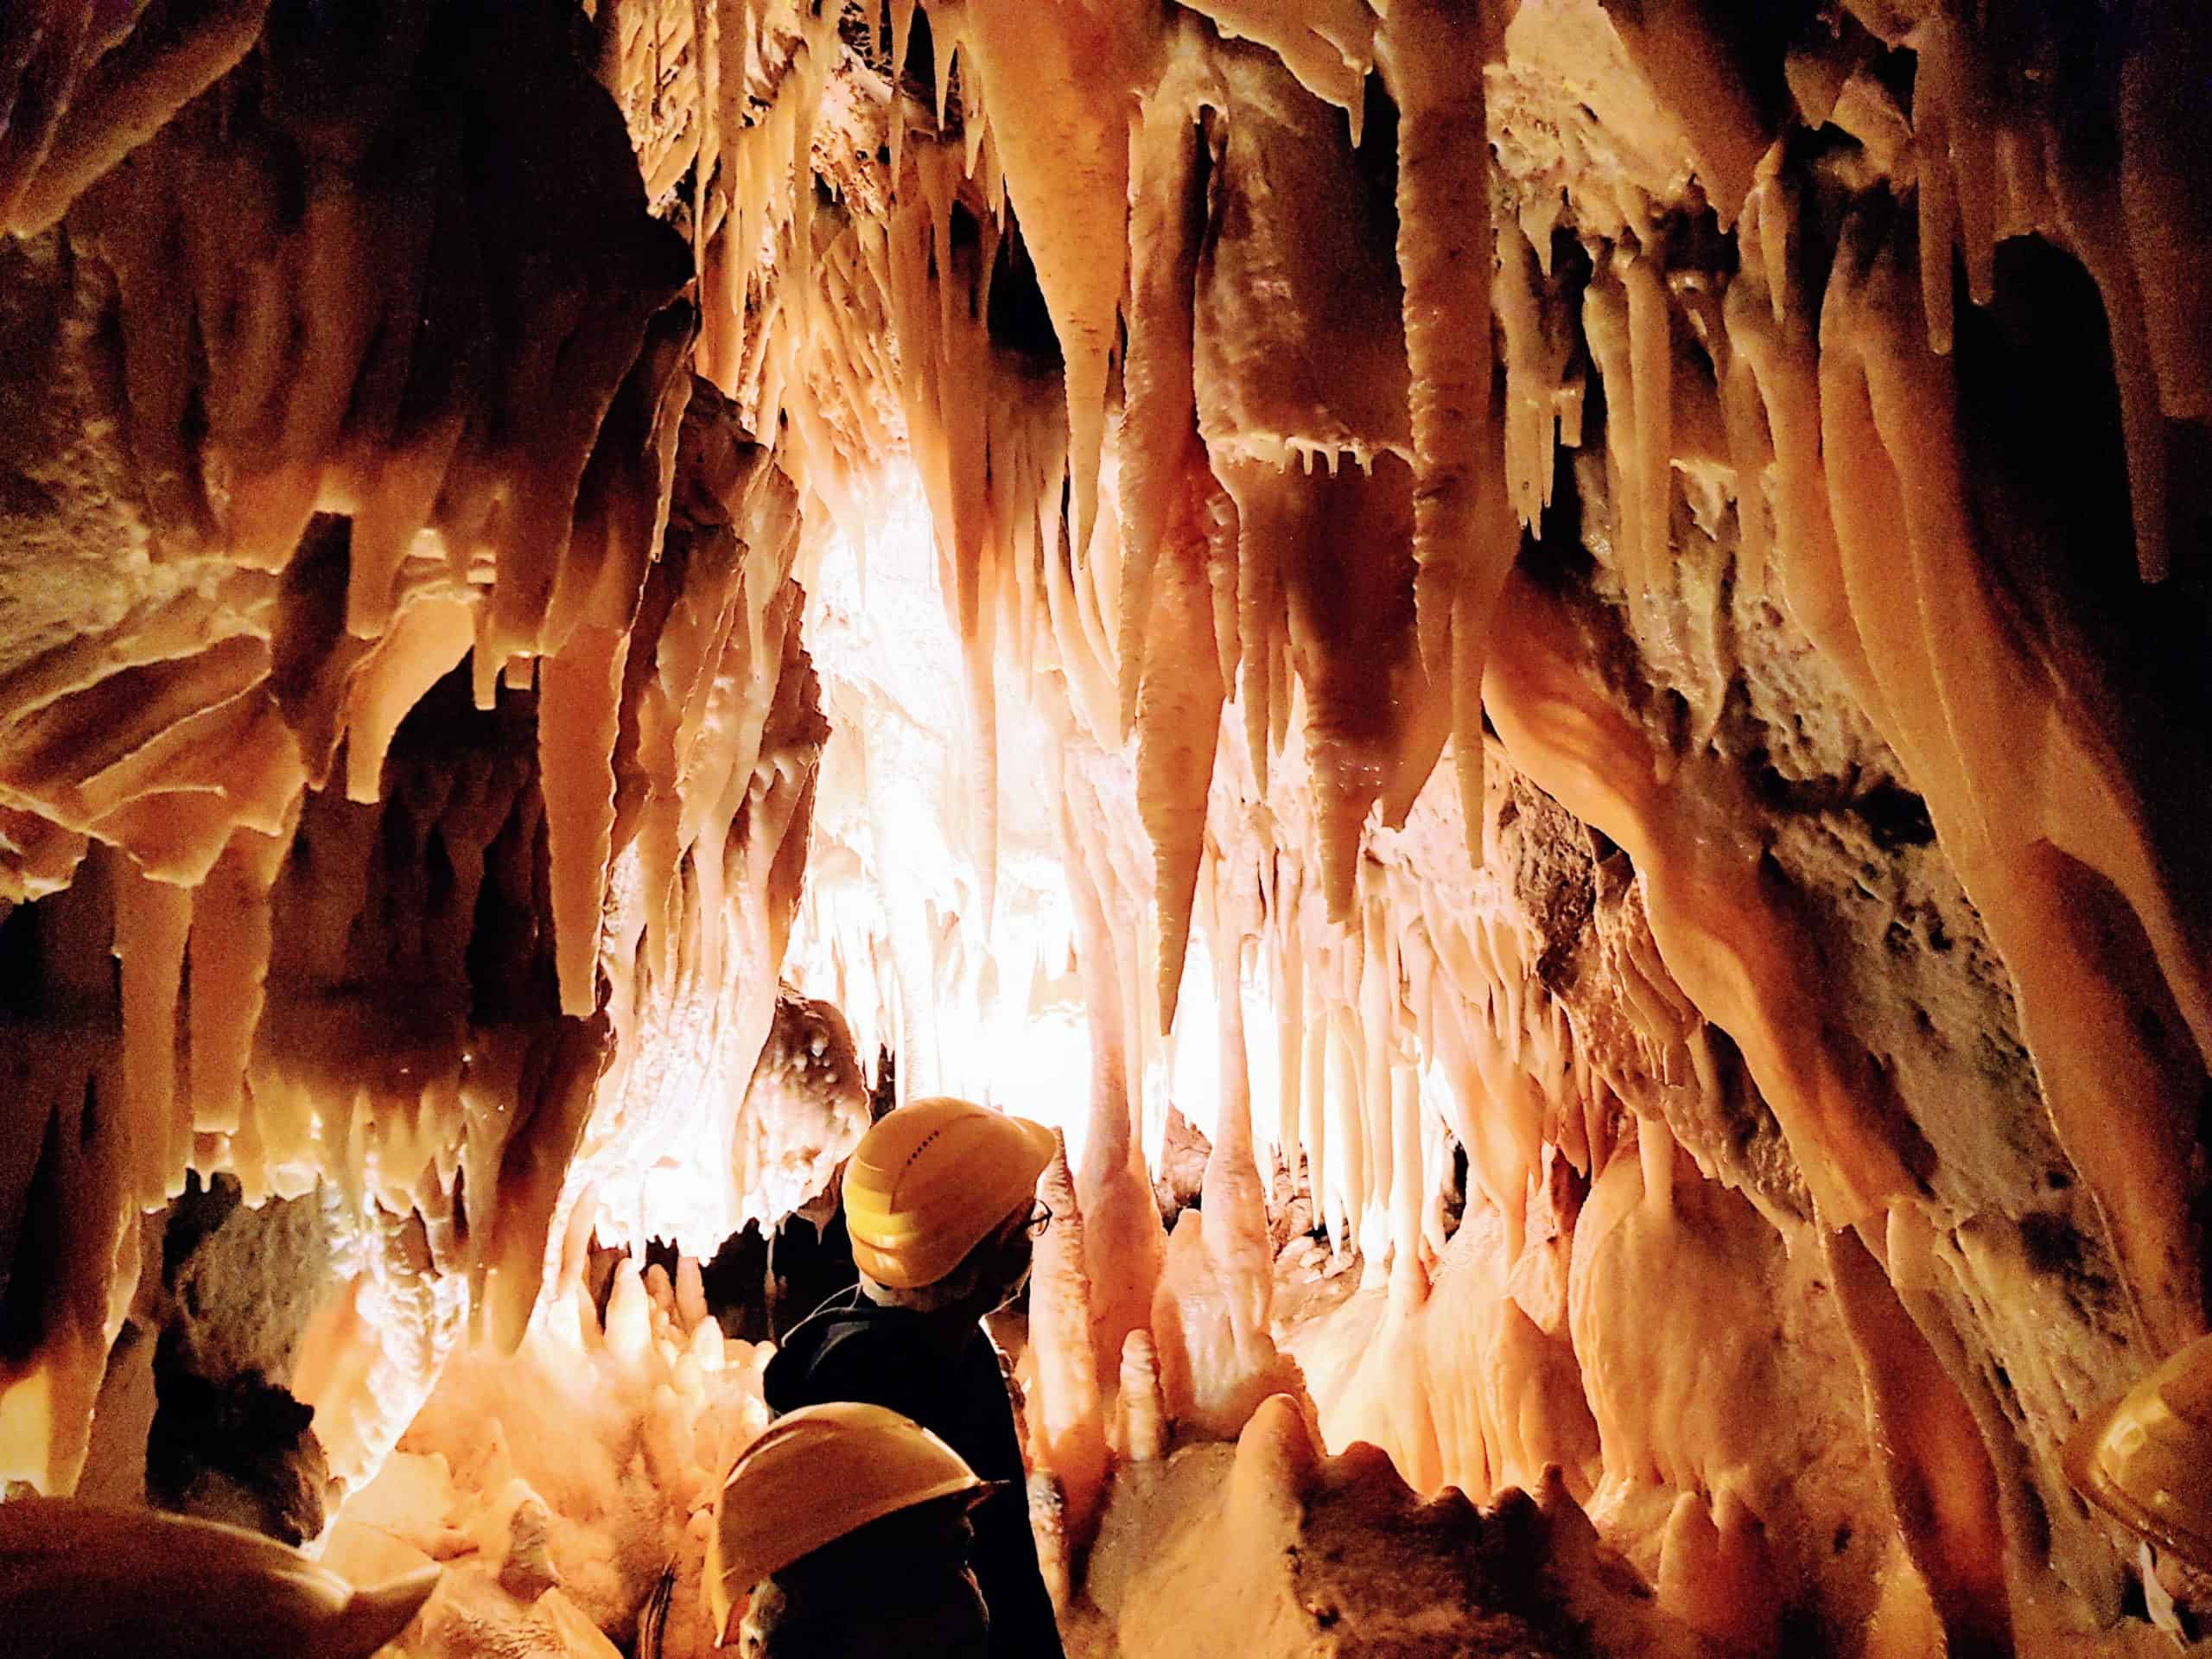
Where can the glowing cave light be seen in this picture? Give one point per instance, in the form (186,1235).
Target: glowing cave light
(891,927)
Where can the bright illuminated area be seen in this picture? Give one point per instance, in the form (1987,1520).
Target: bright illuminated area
(1105,829)
(946,937)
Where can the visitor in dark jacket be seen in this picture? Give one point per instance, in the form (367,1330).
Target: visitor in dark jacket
(939,1200)
(842,1533)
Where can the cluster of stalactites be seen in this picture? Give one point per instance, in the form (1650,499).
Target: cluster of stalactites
(1218,399)
(426,438)
(1221,574)
(1218,557)
(1306,510)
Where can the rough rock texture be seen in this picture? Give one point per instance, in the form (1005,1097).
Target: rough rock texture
(1269,1548)
(1182,1167)
(806,1106)
(228,1440)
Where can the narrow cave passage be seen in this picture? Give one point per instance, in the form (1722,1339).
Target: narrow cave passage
(1143,828)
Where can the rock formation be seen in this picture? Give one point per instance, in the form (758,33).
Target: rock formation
(1572,632)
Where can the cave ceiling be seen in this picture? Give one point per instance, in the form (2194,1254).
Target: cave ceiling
(1594,610)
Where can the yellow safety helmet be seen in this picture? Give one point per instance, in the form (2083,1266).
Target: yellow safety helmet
(816,1474)
(930,1180)
(2147,1460)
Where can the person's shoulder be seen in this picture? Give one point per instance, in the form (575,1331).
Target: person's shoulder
(832,1348)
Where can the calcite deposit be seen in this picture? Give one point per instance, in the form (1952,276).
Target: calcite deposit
(1540,661)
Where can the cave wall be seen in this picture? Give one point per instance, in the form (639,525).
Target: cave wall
(1618,590)
(373,571)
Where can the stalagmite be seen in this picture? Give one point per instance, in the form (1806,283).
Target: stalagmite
(1287,983)
(1407,1184)
(1069,1429)
(84,1578)
(1212,1342)
(1343,1110)
(1234,1199)
(1935,1468)
(1313,1133)
(1714,1570)
(1144,1411)
(1121,1235)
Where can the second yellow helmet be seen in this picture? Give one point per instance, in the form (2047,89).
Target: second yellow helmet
(930,1180)
(815,1475)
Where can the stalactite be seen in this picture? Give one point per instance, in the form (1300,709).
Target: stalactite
(229,953)
(1179,726)
(88,1156)
(579,704)
(345,371)
(1329,47)
(2165,206)
(1685,48)
(1586,757)
(1434,72)
(1062,131)
(1160,410)
(253,1099)
(109,90)
(1649,381)
(151,920)
(1540,409)
(426,641)
(1944,709)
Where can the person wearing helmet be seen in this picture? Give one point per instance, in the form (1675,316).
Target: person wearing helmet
(837,1496)
(2145,1458)
(940,1203)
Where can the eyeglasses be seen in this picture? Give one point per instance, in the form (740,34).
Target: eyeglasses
(1040,1217)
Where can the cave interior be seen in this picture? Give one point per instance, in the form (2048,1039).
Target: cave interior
(1540,670)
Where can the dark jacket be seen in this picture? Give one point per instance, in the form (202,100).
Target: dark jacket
(851,1349)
